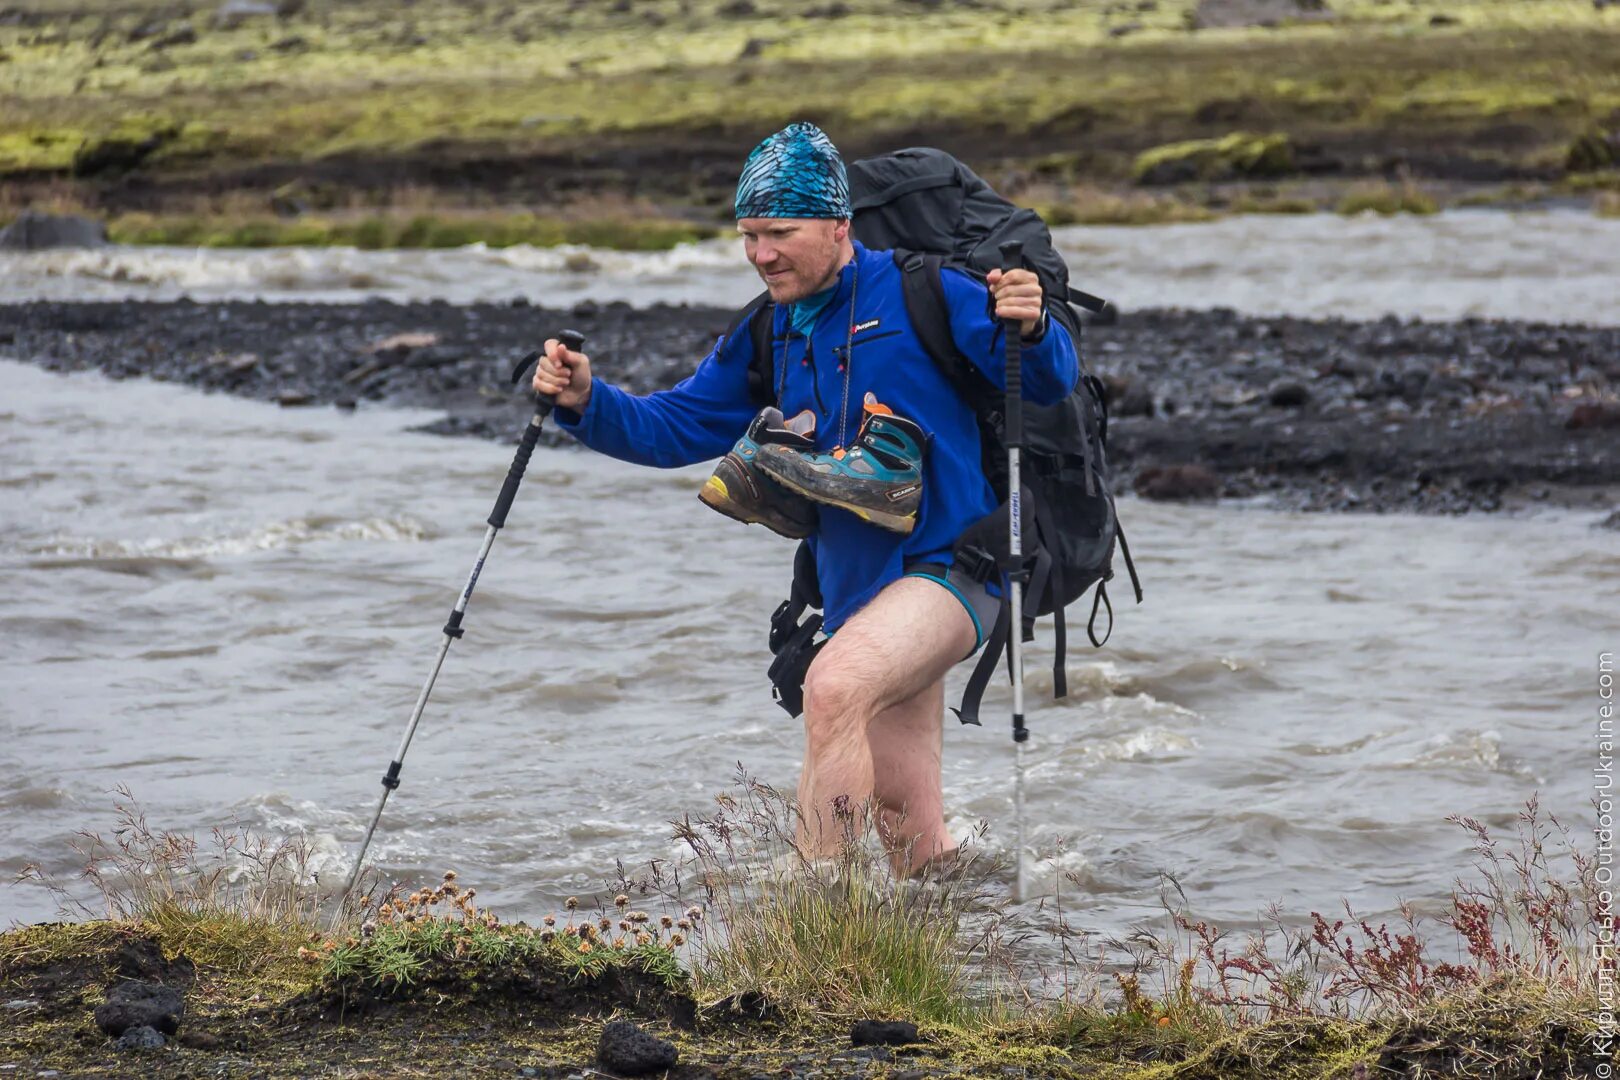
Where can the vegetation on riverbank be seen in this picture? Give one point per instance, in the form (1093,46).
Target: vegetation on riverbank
(531,108)
(759,962)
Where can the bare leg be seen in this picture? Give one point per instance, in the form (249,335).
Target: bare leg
(907,744)
(890,652)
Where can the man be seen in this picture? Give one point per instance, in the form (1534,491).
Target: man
(851,371)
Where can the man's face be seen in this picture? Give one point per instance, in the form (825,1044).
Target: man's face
(795,257)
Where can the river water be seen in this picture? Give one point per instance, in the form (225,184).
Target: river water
(229,608)
(1545,265)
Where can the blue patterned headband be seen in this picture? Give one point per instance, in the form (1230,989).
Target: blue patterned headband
(795,173)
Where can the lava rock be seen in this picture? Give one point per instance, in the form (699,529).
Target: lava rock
(142,960)
(883,1033)
(140,1004)
(629,1051)
(1177,483)
(141,1038)
(33,231)
(1127,397)
(1288,395)
(1599,415)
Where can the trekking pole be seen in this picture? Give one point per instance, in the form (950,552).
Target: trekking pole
(1012,258)
(574,341)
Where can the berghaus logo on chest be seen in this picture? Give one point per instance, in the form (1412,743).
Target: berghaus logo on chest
(869,324)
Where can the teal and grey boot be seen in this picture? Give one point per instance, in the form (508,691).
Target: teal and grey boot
(739,490)
(879,478)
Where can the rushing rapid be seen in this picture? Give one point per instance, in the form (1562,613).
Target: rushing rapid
(1541,265)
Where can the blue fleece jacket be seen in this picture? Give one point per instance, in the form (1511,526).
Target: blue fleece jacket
(703,415)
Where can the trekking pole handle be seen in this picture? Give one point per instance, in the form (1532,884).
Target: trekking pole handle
(573,341)
(1012,258)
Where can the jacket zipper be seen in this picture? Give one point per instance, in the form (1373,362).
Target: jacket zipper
(838,350)
(815,383)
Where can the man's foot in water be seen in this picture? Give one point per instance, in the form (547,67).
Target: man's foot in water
(878,478)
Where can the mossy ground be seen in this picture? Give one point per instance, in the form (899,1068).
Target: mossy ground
(528,108)
(284,1016)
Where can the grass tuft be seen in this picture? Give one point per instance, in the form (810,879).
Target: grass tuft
(836,937)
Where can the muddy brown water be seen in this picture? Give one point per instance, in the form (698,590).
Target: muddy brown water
(229,608)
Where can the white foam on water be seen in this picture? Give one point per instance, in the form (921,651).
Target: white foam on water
(276,535)
(1559,265)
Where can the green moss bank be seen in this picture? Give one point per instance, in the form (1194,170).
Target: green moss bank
(140,107)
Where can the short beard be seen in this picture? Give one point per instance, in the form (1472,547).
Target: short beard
(828,275)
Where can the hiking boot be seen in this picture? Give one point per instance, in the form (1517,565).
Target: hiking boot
(739,490)
(879,478)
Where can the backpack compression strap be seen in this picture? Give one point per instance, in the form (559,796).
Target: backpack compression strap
(761,370)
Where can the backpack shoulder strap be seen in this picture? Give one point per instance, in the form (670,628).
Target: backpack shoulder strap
(931,317)
(759,315)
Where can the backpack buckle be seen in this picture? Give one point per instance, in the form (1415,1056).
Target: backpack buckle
(977,563)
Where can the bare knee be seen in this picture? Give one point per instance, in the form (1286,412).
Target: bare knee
(837,703)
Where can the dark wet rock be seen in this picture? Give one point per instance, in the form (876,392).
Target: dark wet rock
(1128,398)
(828,11)
(1611,522)
(141,1038)
(291,43)
(738,9)
(287,9)
(141,1004)
(293,398)
(142,959)
(1484,419)
(1593,150)
(754,47)
(627,1050)
(1443,20)
(1177,483)
(33,231)
(122,153)
(883,1033)
(1215,14)
(1288,395)
(1600,414)
(1123,29)
(750,1004)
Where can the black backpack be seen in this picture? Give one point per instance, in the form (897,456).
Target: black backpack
(933,211)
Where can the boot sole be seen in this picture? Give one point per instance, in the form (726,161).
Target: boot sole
(716,496)
(899,523)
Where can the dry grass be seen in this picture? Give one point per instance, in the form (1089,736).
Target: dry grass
(237,899)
